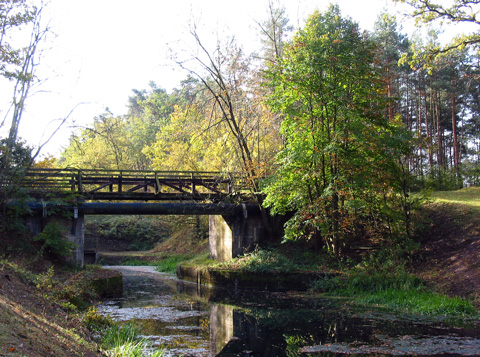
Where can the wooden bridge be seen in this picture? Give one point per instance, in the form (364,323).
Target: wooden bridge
(235,220)
(116,185)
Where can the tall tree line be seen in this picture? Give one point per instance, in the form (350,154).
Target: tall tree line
(336,124)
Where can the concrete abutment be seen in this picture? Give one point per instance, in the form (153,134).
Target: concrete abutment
(232,236)
(72,229)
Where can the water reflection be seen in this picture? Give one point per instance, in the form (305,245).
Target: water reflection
(201,321)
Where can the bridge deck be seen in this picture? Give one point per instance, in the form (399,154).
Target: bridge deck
(133,185)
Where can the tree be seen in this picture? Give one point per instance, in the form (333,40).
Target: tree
(186,143)
(273,31)
(104,145)
(456,12)
(338,169)
(19,65)
(14,14)
(391,44)
(149,111)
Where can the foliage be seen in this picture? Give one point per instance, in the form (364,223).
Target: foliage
(140,232)
(103,145)
(138,262)
(14,14)
(19,56)
(14,161)
(261,261)
(279,259)
(339,169)
(54,242)
(118,142)
(95,321)
(187,144)
(451,13)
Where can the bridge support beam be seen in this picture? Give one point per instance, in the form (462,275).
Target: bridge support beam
(233,235)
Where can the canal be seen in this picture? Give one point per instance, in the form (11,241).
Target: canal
(191,320)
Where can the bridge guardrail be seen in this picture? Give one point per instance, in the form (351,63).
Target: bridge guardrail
(134,184)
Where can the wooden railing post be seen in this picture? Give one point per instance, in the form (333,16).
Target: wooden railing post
(120,182)
(157,181)
(80,186)
(194,191)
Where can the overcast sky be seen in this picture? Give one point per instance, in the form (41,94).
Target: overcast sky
(102,49)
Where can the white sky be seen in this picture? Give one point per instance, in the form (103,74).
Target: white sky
(102,49)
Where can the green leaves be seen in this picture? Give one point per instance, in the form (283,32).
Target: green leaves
(337,164)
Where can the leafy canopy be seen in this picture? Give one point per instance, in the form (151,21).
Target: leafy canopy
(338,165)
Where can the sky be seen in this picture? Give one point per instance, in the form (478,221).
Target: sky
(100,50)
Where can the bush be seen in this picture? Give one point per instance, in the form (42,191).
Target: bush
(54,241)
(96,322)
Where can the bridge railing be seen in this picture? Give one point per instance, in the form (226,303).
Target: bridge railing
(134,184)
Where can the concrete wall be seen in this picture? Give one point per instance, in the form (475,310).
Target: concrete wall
(220,239)
(73,230)
(231,236)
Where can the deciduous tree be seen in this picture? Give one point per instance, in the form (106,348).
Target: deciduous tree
(338,168)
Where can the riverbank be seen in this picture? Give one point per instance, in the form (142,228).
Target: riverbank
(449,255)
(443,271)
(37,317)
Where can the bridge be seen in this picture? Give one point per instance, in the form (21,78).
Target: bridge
(66,195)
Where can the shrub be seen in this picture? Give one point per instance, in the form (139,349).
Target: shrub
(54,241)
(96,322)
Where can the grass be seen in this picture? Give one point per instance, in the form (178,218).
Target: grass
(283,259)
(397,290)
(169,264)
(466,196)
(138,262)
(261,260)
(123,340)
(417,301)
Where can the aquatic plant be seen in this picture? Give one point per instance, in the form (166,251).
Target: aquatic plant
(123,341)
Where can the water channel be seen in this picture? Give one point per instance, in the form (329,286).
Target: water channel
(193,320)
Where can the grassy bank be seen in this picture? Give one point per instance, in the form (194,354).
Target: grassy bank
(378,280)
(48,311)
(38,315)
(394,290)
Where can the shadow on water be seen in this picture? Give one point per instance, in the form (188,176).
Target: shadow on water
(193,320)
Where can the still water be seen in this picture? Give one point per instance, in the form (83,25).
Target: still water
(193,320)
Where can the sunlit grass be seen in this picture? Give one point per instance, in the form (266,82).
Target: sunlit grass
(169,264)
(123,341)
(420,302)
(467,196)
(397,290)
